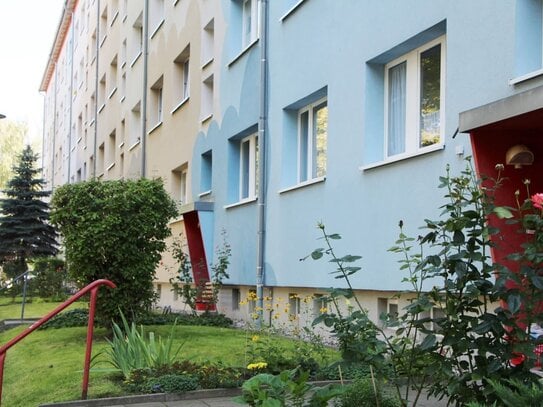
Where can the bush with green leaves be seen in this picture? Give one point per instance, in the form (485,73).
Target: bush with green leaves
(114,230)
(204,319)
(171,383)
(207,375)
(288,388)
(68,319)
(448,354)
(50,278)
(514,393)
(131,349)
(365,392)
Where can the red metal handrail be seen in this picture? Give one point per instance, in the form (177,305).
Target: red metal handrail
(93,288)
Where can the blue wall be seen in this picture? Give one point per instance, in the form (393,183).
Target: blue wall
(339,48)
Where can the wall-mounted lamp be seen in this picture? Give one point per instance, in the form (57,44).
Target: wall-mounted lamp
(519,155)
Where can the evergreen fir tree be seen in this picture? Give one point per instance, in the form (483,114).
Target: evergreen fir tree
(25,232)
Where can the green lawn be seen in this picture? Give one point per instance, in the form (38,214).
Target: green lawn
(35,309)
(47,365)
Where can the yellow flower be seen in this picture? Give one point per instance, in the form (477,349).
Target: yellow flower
(243,302)
(258,365)
(254,315)
(255,338)
(276,316)
(324,310)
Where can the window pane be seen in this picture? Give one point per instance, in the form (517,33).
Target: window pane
(396,109)
(320,138)
(430,74)
(303,145)
(244,176)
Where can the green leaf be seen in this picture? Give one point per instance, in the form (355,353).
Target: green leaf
(502,212)
(317,254)
(428,342)
(334,236)
(513,303)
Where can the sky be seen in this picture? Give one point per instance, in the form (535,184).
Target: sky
(27,31)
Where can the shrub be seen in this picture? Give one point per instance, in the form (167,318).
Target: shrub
(205,319)
(67,319)
(114,230)
(50,278)
(362,393)
(171,383)
(207,375)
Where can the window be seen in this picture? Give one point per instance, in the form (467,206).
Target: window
(156,102)
(207,98)
(387,309)
(180,186)
(248,167)
(319,305)
(181,75)
(208,34)
(111,146)
(413,98)
(312,141)
(206,172)
(137,39)
(135,125)
(294,305)
(102,93)
(528,40)
(156,15)
(100,161)
(113,77)
(103,26)
(236,299)
(249,25)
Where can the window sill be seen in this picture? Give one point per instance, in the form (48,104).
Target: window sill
(304,184)
(243,202)
(243,52)
(124,18)
(103,40)
(112,92)
(160,24)
(175,2)
(136,59)
(121,100)
(101,107)
(525,77)
(402,157)
(291,11)
(207,63)
(123,64)
(114,18)
(156,126)
(204,194)
(91,122)
(206,118)
(133,146)
(121,144)
(110,166)
(176,108)
(79,140)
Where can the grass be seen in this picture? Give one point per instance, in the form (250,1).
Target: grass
(47,365)
(35,309)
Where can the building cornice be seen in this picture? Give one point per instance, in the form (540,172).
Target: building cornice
(58,44)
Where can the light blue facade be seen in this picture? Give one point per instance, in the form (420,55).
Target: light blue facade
(338,49)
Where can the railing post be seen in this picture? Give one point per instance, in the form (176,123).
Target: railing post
(2,359)
(93,288)
(88,351)
(24,295)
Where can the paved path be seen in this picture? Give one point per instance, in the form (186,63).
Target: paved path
(205,398)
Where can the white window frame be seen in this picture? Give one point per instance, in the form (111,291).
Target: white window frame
(308,140)
(249,22)
(248,182)
(412,110)
(186,79)
(183,186)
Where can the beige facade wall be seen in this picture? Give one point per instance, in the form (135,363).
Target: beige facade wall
(106,90)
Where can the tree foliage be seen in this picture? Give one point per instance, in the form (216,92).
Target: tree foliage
(25,232)
(114,230)
(12,136)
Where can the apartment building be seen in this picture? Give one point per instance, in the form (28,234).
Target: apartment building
(264,118)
